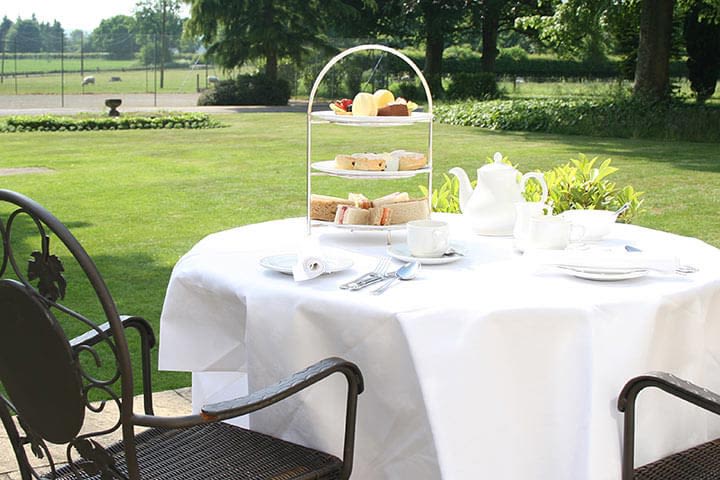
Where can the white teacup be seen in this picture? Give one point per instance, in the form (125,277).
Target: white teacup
(428,238)
(551,232)
(524,212)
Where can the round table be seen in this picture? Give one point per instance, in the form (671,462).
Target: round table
(488,367)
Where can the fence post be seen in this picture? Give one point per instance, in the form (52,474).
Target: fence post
(62,70)
(2,63)
(15,75)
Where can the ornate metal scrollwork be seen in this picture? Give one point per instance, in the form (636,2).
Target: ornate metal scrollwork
(48,269)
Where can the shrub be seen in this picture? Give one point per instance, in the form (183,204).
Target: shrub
(51,123)
(622,117)
(481,86)
(408,90)
(248,90)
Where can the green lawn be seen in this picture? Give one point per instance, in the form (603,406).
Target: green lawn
(138,200)
(177,80)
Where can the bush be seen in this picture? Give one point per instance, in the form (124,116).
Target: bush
(50,123)
(408,90)
(481,86)
(622,117)
(248,90)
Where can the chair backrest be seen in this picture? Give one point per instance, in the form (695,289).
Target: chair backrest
(49,383)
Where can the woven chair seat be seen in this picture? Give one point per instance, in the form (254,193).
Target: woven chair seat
(697,463)
(219,451)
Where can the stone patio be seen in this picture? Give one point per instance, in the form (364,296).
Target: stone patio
(168,403)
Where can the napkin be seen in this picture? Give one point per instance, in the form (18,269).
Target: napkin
(605,259)
(312,262)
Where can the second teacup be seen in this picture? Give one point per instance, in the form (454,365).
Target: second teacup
(552,232)
(428,238)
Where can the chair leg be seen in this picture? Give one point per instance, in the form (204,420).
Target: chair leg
(14,437)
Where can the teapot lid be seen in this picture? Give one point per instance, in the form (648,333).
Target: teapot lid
(497,165)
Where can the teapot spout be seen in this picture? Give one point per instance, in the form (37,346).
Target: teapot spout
(465,186)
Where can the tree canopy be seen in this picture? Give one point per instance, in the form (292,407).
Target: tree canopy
(238,31)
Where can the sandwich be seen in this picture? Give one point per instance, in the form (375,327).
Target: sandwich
(324,207)
(347,215)
(402,208)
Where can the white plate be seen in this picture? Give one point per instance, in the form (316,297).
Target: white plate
(365,121)
(401,252)
(285,262)
(609,275)
(360,228)
(330,167)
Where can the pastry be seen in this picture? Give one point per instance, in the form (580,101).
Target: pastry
(382,98)
(362,161)
(364,104)
(408,160)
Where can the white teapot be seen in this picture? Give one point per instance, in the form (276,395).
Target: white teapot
(490,208)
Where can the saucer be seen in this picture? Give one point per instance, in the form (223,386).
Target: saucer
(285,262)
(402,252)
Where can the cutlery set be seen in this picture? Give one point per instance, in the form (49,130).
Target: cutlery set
(380,274)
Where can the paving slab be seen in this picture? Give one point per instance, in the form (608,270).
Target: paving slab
(167,403)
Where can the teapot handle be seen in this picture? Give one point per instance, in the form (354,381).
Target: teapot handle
(540,178)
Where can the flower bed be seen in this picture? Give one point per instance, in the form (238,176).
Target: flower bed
(51,123)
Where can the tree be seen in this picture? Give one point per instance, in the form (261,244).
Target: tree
(652,72)
(575,29)
(52,36)
(702,39)
(24,36)
(491,16)
(115,36)
(238,31)
(161,18)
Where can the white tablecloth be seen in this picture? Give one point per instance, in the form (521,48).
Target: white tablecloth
(484,368)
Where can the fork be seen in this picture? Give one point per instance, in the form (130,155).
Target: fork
(370,277)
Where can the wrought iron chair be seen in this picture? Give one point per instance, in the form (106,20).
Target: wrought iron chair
(698,463)
(52,384)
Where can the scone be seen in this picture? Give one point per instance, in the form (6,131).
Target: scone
(362,161)
(409,160)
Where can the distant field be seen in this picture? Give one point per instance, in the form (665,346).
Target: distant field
(132,81)
(38,64)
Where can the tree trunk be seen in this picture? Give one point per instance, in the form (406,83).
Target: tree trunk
(434,47)
(490,26)
(652,73)
(271,50)
(271,64)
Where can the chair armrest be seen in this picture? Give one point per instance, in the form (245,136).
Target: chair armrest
(285,388)
(688,391)
(147,342)
(92,337)
(669,383)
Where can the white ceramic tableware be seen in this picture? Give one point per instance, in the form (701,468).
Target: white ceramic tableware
(401,252)
(552,232)
(525,211)
(428,238)
(597,223)
(490,207)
